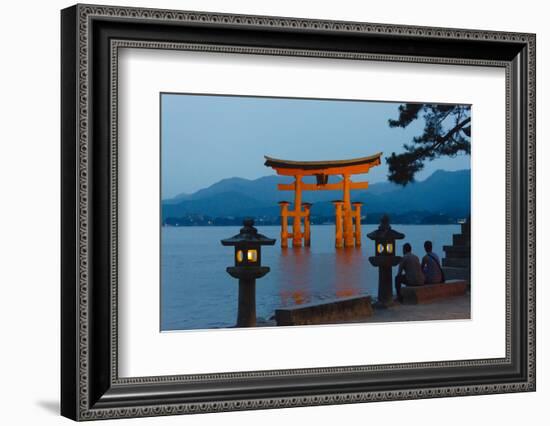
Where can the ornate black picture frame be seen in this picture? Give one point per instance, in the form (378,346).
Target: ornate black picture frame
(91,387)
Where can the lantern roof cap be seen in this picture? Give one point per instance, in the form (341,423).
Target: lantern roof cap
(248,234)
(385,231)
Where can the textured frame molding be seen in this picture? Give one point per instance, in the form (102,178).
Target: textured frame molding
(118,44)
(92,389)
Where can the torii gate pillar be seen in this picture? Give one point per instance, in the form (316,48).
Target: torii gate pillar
(297,223)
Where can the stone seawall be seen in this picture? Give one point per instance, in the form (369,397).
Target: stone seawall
(334,311)
(428,293)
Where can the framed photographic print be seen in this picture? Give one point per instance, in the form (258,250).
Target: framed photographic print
(263,212)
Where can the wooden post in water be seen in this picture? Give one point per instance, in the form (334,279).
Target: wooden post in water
(348,219)
(307,224)
(338,235)
(357,205)
(284,223)
(297,224)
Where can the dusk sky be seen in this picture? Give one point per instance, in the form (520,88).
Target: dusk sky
(209,138)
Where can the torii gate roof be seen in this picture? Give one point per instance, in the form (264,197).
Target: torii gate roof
(352,165)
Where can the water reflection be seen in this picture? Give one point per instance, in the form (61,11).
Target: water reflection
(348,271)
(340,273)
(197,292)
(295,269)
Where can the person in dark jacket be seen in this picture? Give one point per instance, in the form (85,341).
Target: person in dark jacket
(431,266)
(409,271)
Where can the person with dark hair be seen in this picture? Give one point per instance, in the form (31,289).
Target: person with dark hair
(409,271)
(431,266)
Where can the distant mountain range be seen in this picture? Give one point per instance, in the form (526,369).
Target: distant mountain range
(444,196)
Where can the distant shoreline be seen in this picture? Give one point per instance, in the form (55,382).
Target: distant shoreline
(317,224)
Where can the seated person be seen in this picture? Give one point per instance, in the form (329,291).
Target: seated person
(409,271)
(431,266)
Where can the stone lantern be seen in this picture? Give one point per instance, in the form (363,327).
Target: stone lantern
(248,267)
(384,247)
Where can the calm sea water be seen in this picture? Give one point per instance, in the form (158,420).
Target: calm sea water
(197,292)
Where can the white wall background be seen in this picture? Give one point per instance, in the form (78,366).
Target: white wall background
(29,213)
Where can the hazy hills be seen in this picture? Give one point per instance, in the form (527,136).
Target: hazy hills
(443,193)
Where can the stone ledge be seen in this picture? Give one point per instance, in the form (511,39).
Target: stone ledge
(456,262)
(427,293)
(453,273)
(333,311)
(457,251)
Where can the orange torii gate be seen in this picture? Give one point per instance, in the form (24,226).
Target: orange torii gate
(346,235)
